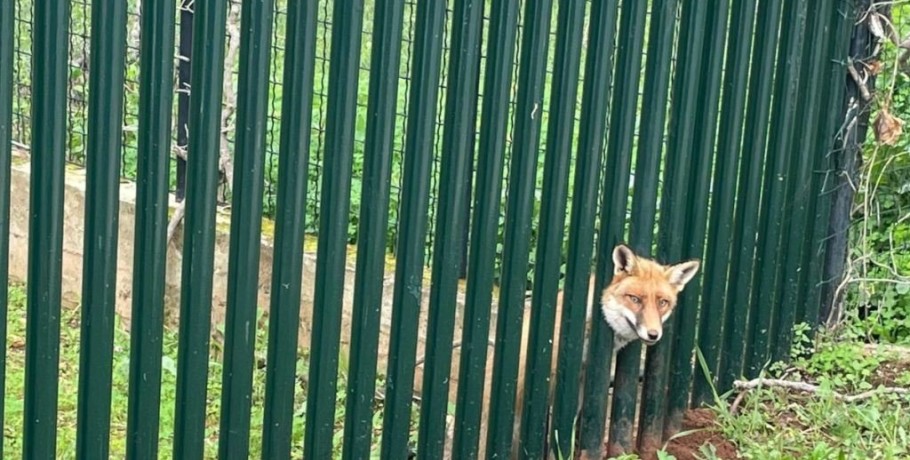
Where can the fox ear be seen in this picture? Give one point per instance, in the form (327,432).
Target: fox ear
(623,260)
(682,273)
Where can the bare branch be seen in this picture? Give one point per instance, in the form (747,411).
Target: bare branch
(860,82)
(229,107)
(174,222)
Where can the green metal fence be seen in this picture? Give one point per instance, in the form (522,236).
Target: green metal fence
(546,131)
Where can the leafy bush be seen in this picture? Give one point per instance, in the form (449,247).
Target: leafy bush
(881,228)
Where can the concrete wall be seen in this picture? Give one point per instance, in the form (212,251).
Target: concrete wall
(74,214)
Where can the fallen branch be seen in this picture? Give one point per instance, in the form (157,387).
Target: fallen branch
(814,389)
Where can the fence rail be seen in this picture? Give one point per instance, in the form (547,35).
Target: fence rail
(507,143)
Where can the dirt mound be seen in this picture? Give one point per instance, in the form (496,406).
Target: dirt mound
(688,447)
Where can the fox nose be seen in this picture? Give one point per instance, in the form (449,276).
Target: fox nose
(653,334)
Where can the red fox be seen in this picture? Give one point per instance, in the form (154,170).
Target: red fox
(640,297)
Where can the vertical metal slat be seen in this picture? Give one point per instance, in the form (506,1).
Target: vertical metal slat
(613,214)
(717,258)
(697,209)
(458,146)
(783,118)
(746,218)
(102,205)
(45,251)
(551,228)
(374,224)
(6,133)
(516,240)
(644,204)
(335,203)
(199,228)
(287,264)
(673,210)
(409,267)
(593,128)
(149,259)
(246,229)
(827,141)
(846,163)
(492,144)
(802,193)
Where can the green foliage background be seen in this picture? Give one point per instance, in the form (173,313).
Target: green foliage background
(878,295)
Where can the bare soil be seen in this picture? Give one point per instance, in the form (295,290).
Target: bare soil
(687,447)
(889,373)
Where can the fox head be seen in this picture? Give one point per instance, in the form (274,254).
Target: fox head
(642,295)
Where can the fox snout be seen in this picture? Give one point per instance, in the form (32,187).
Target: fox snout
(649,326)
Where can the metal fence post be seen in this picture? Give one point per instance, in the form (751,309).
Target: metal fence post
(670,246)
(802,194)
(830,142)
(551,230)
(613,213)
(703,155)
(516,242)
(644,206)
(847,164)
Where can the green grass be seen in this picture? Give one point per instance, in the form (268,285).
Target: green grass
(777,424)
(69,379)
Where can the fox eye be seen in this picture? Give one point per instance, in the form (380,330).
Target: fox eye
(664,303)
(635,299)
